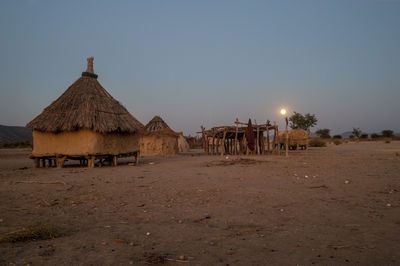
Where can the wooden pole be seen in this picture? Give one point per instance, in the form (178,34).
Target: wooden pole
(60,161)
(276,139)
(115,162)
(203,138)
(267,135)
(236,136)
(36,162)
(287,137)
(258,141)
(91,161)
(223,151)
(213,145)
(137,158)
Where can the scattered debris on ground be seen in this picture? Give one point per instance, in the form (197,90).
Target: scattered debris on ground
(33,232)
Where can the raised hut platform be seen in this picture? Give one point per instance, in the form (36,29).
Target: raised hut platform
(87,124)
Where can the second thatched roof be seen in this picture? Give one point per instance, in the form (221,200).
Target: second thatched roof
(158,126)
(86,105)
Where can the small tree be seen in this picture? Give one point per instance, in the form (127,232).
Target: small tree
(364,136)
(337,136)
(356,132)
(387,133)
(305,122)
(323,133)
(374,136)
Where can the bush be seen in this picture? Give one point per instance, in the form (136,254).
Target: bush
(317,143)
(387,133)
(375,136)
(16,144)
(337,136)
(32,232)
(323,133)
(387,140)
(364,136)
(337,141)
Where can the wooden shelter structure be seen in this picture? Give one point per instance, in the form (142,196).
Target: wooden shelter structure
(232,139)
(85,123)
(158,139)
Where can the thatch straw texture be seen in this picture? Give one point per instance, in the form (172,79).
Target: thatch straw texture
(158,126)
(296,137)
(86,105)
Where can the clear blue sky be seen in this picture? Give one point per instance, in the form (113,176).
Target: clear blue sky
(208,62)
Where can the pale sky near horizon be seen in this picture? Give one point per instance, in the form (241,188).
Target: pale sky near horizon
(208,62)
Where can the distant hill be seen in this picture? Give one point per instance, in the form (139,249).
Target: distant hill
(13,133)
(346,134)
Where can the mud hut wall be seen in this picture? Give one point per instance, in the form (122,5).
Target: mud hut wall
(158,145)
(83,142)
(183,145)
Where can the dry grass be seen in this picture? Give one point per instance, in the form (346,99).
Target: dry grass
(316,142)
(337,141)
(227,162)
(387,140)
(32,232)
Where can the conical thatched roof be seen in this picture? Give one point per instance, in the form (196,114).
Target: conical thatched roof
(86,105)
(158,125)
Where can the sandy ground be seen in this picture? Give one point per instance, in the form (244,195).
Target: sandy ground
(210,210)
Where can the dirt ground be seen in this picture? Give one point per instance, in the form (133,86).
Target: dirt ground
(338,205)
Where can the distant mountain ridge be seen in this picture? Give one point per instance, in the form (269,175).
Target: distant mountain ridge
(14,133)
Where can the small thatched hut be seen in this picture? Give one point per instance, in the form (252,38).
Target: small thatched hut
(85,123)
(158,139)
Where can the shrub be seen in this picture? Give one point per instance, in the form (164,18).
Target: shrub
(375,136)
(337,136)
(356,132)
(323,133)
(337,141)
(364,136)
(16,144)
(387,133)
(33,232)
(317,143)
(387,140)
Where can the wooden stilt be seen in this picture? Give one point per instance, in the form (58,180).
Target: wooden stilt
(223,144)
(236,136)
(137,158)
(91,161)
(36,163)
(213,144)
(262,145)
(60,161)
(115,160)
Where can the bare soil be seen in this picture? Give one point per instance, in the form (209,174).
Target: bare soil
(338,205)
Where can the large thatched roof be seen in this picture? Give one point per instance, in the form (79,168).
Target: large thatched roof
(158,125)
(86,105)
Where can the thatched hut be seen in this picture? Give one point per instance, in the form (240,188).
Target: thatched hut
(85,123)
(158,139)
